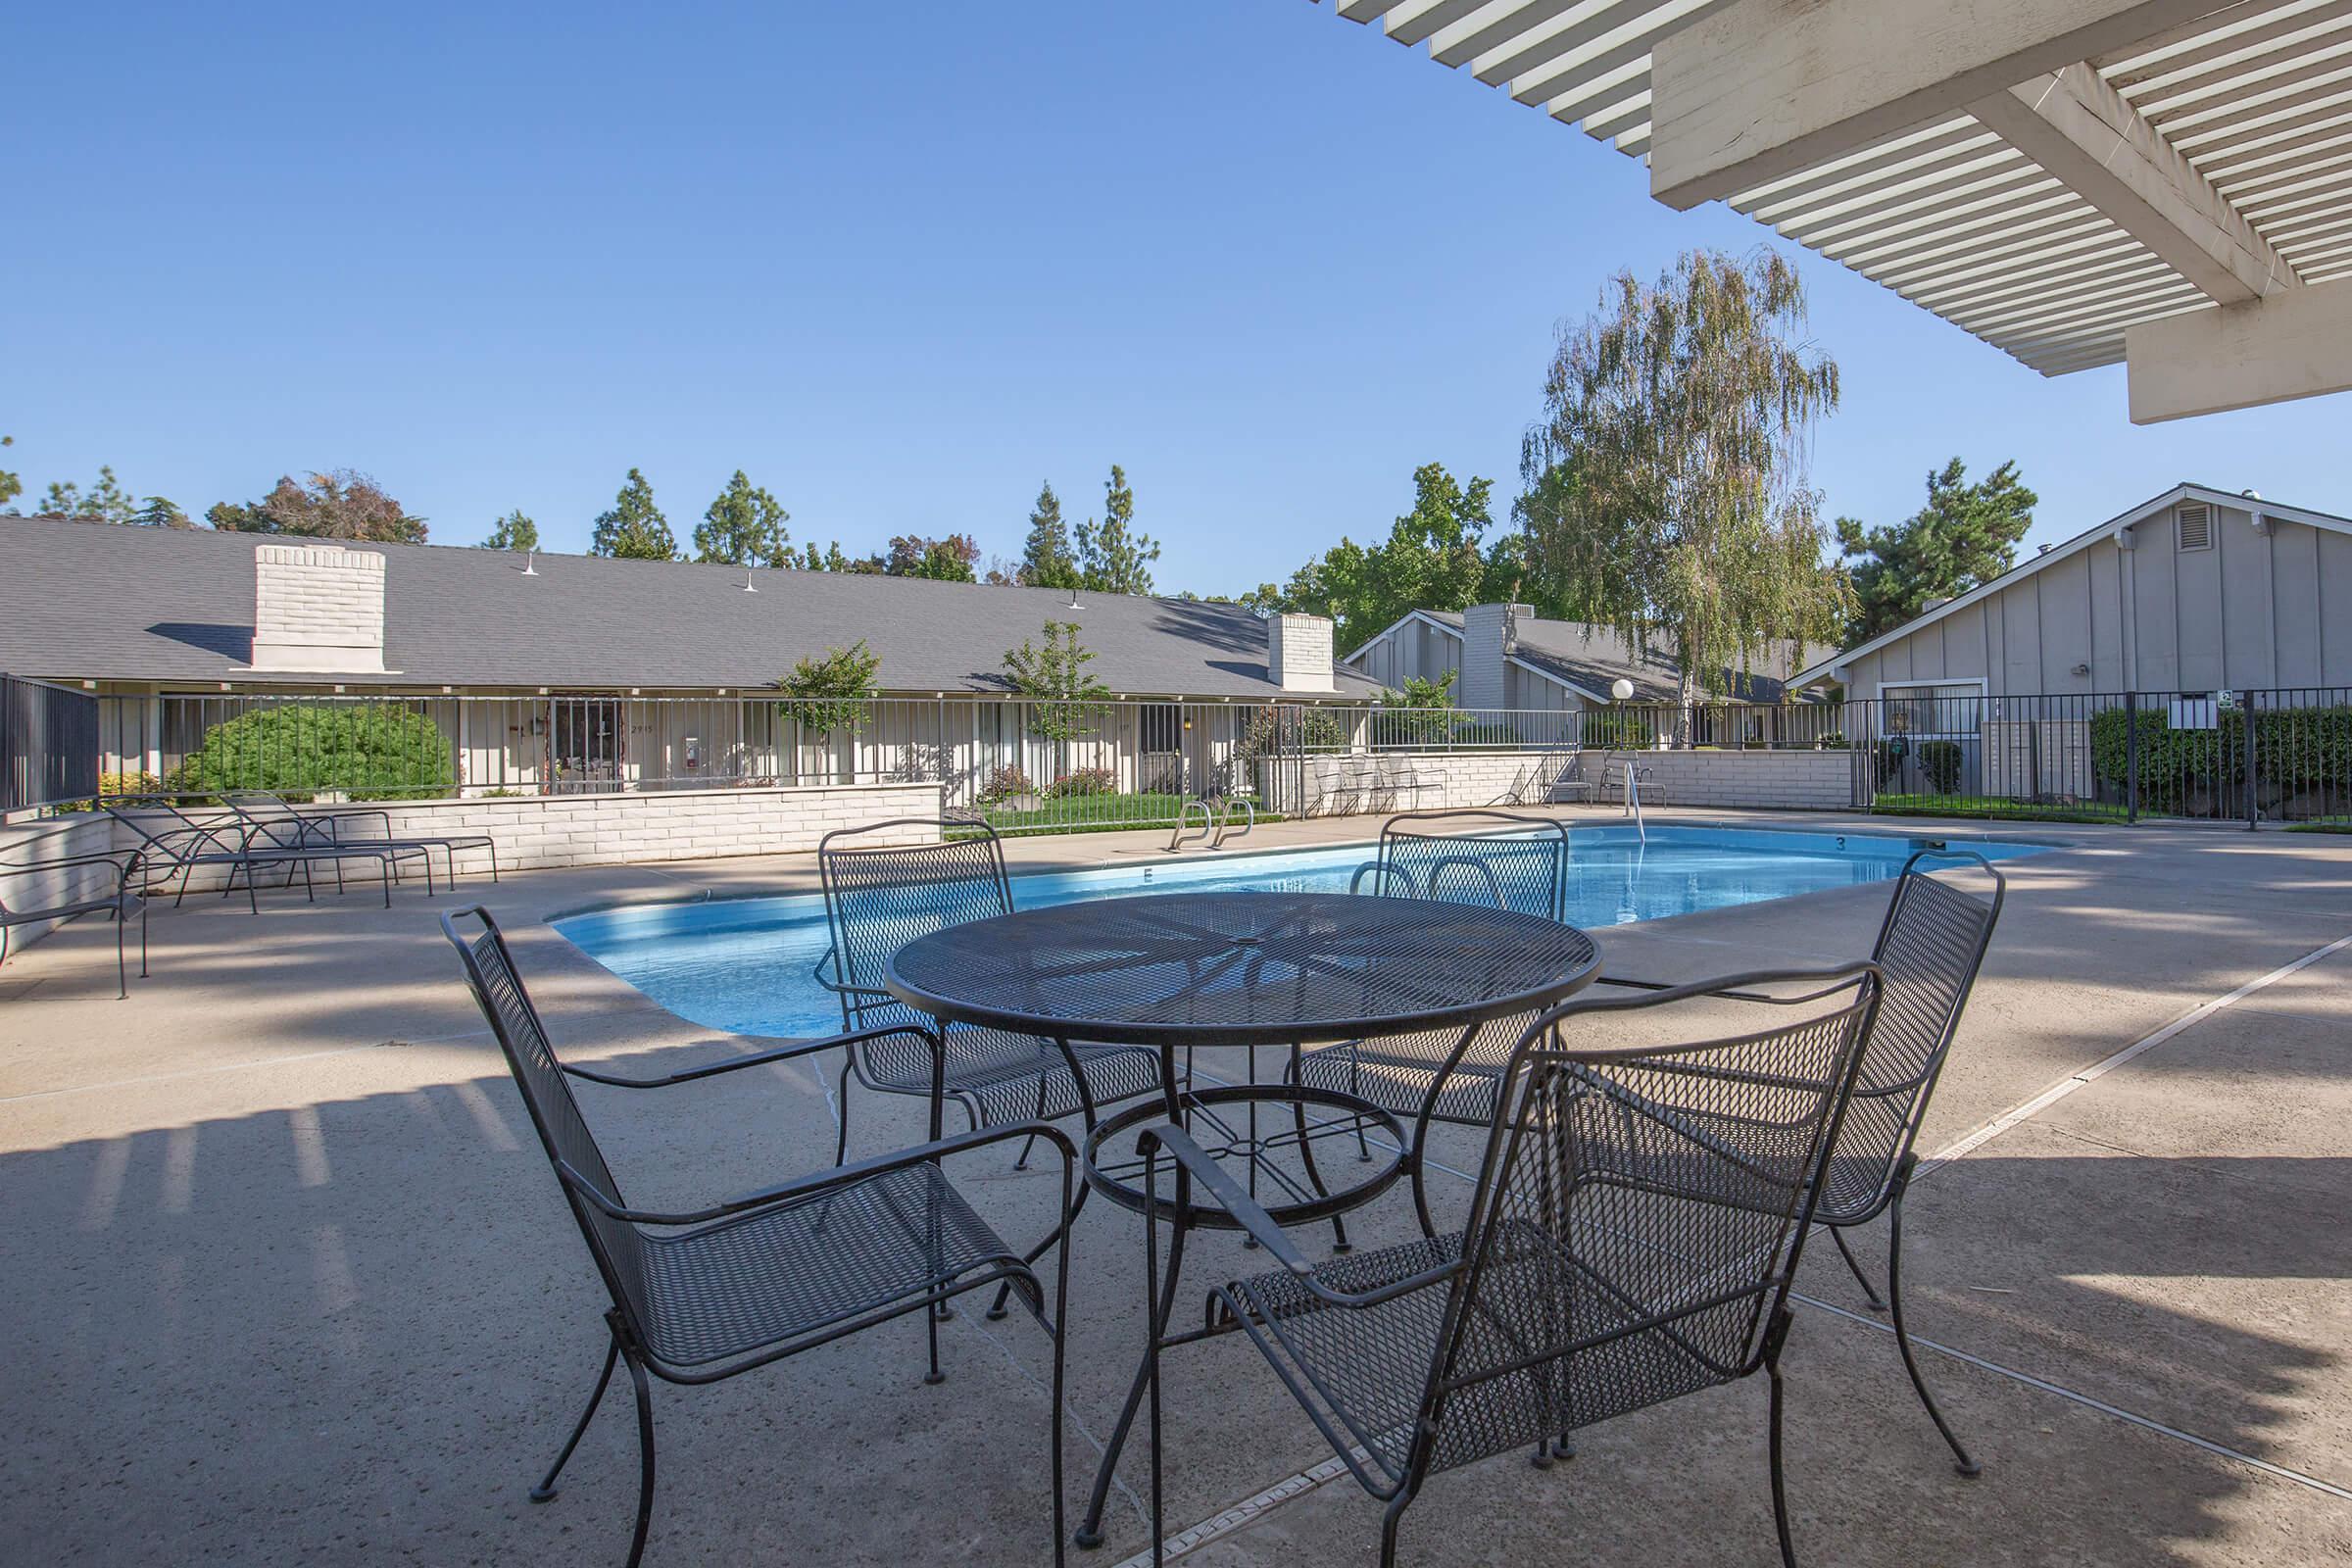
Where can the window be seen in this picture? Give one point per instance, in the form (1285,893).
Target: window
(1163,727)
(2194,526)
(1934,708)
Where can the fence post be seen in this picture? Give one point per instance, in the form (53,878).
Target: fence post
(2131,758)
(2245,710)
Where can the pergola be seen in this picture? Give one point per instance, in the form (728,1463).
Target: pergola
(2163,182)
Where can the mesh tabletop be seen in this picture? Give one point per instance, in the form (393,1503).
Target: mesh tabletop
(1241,968)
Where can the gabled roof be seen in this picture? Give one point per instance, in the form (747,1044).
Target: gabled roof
(2154,506)
(93,601)
(1589,659)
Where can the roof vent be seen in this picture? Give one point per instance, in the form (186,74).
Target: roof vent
(746,581)
(530,565)
(2193,523)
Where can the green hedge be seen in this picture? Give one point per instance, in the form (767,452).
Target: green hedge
(1614,729)
(368,751)
(2294,749)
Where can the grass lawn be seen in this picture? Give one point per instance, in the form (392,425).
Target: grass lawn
(1998,809)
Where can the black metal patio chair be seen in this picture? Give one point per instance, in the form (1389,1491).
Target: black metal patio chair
(1930,948)
(337,826)
(40,908)
(174,844)
(702,1294)
(1492,859)
(275,828)
(877,899)
(1639,1214)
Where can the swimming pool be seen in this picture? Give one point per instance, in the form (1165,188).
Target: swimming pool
(744,964)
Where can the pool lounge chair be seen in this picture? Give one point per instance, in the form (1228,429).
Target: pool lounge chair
(325,827)
(173,844)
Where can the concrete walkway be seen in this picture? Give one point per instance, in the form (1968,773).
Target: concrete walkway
(288,1281)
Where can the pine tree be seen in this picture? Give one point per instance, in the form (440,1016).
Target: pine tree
(160,512)
(11,486)
(1046,559)
(515,531)
(1114,559)
(1965,535)
(744,527)
(634,529)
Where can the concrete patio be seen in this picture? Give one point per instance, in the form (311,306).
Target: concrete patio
(289,1280)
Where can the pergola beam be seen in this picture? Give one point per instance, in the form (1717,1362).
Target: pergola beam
(2079,128)
(1765,87)
(2295,344)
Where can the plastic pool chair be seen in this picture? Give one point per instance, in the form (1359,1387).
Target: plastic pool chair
(702,1294)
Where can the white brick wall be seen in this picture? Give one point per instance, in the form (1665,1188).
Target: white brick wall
(318,607)
(1449,781)
(35,839)
(1794,781)
(552,830)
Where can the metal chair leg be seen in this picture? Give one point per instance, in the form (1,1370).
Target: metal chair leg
(1966,1465)
(1779,1490)
(1838,1235)
(841,1105)
(1393,1517)
(546,1489)
(645,1470)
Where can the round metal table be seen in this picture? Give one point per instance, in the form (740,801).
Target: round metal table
(1218,969)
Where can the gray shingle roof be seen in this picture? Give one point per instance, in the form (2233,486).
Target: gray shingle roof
(88,600)
(1592,656)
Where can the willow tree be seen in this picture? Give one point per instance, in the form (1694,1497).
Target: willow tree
(1666,483)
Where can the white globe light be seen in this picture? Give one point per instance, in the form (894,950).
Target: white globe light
(1621,688)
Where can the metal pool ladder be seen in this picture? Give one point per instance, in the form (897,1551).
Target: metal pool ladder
(1632,803)
(1217,819)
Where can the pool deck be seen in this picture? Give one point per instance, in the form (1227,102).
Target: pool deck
(289,1283)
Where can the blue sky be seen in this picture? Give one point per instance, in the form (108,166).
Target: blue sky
(900,264)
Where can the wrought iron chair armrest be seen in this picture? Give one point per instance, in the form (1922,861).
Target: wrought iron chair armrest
(804,1048)
(120,860)
(826,1180)
(844,987)
(1625,983)
(1380,873)
(1261,1226)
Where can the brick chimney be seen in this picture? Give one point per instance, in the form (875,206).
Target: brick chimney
(318,609)
(1490,635)
(1298,653)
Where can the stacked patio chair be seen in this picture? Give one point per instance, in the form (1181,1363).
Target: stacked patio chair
(39,908)
(879,898)
(1638,1218)
(1396,779)
(702,1294)
(339,828)
(1492,859)
(174,844)
(1931,945)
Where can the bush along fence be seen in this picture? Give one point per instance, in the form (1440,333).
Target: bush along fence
(1034,767)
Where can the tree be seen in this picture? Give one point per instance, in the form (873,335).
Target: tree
(1431,560)
(1966,534)
(160,512)
(634,529)
(1686,409)
(515,531)
(744,527)
(104,502)
(11,486)
(1064,697)
(1114,559)
(1046,559)
(948,560)
(342,505)
(823,695)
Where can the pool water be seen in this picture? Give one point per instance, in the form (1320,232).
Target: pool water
(745,964)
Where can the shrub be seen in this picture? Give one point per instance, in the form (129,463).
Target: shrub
(1890,760)
(1082,781)
(1615,729)
(114,785)
(823,695)
(1941,761)
(1003,783)
(368,751)
(2294,749)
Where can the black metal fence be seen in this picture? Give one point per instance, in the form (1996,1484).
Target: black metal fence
(1942,749)
(48,744)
